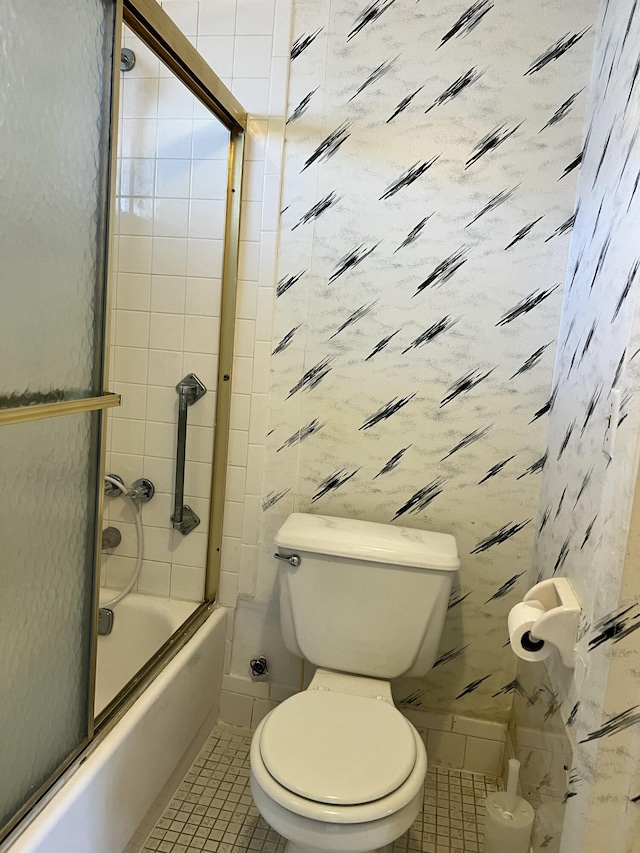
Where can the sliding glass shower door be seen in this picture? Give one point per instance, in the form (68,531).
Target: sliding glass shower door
(56,77)
(59,72)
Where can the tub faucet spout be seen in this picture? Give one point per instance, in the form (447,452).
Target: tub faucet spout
(105,621)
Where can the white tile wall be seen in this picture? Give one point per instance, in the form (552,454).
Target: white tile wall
(446,748)
(172,184)
(236,707)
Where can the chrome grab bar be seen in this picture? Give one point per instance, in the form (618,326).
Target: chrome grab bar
(190,389)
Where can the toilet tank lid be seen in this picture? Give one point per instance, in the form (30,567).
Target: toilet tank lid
(367,540)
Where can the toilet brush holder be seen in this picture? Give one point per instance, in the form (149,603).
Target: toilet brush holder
(508,818)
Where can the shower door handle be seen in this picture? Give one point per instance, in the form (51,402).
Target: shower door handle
(190,389)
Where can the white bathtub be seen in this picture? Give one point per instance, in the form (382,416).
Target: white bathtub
(141,625)
(100,806)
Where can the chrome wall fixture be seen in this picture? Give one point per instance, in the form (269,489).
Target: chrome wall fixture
(259,667)
(111,538)
(127,59)
(190,389)
(141,490)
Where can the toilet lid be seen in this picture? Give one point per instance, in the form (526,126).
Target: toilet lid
(338,748)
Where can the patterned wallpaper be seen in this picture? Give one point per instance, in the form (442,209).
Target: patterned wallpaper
(431,157)
(586,497)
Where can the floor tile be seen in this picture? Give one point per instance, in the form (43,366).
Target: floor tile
(212,810)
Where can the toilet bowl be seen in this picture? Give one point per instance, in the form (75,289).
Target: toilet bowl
(337,767)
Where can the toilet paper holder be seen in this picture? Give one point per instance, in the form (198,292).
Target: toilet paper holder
(558,625)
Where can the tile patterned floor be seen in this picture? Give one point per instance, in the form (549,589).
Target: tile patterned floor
(212,810)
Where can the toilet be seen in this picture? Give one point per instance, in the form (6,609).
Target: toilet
(337,767)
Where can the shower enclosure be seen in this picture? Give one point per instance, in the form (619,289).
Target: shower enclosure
(61,206)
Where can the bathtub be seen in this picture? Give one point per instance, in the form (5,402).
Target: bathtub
(99,807)
(141,625)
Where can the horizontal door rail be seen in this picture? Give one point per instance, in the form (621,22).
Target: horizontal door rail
(154,26)
(40,411)
(32,398)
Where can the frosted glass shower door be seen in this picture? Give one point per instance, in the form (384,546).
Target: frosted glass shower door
(55,107)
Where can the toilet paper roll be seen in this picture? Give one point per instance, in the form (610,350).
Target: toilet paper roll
(521,620)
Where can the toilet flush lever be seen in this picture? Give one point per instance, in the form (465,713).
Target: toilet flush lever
(293,559)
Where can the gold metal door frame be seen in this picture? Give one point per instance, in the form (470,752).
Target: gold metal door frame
(156,29)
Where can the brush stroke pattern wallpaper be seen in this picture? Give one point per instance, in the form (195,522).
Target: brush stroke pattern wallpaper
(431,155)
(586,496)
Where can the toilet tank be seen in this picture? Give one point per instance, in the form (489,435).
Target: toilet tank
(368,599)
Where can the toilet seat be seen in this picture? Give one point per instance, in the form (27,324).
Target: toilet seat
(337,748)
(266,790)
